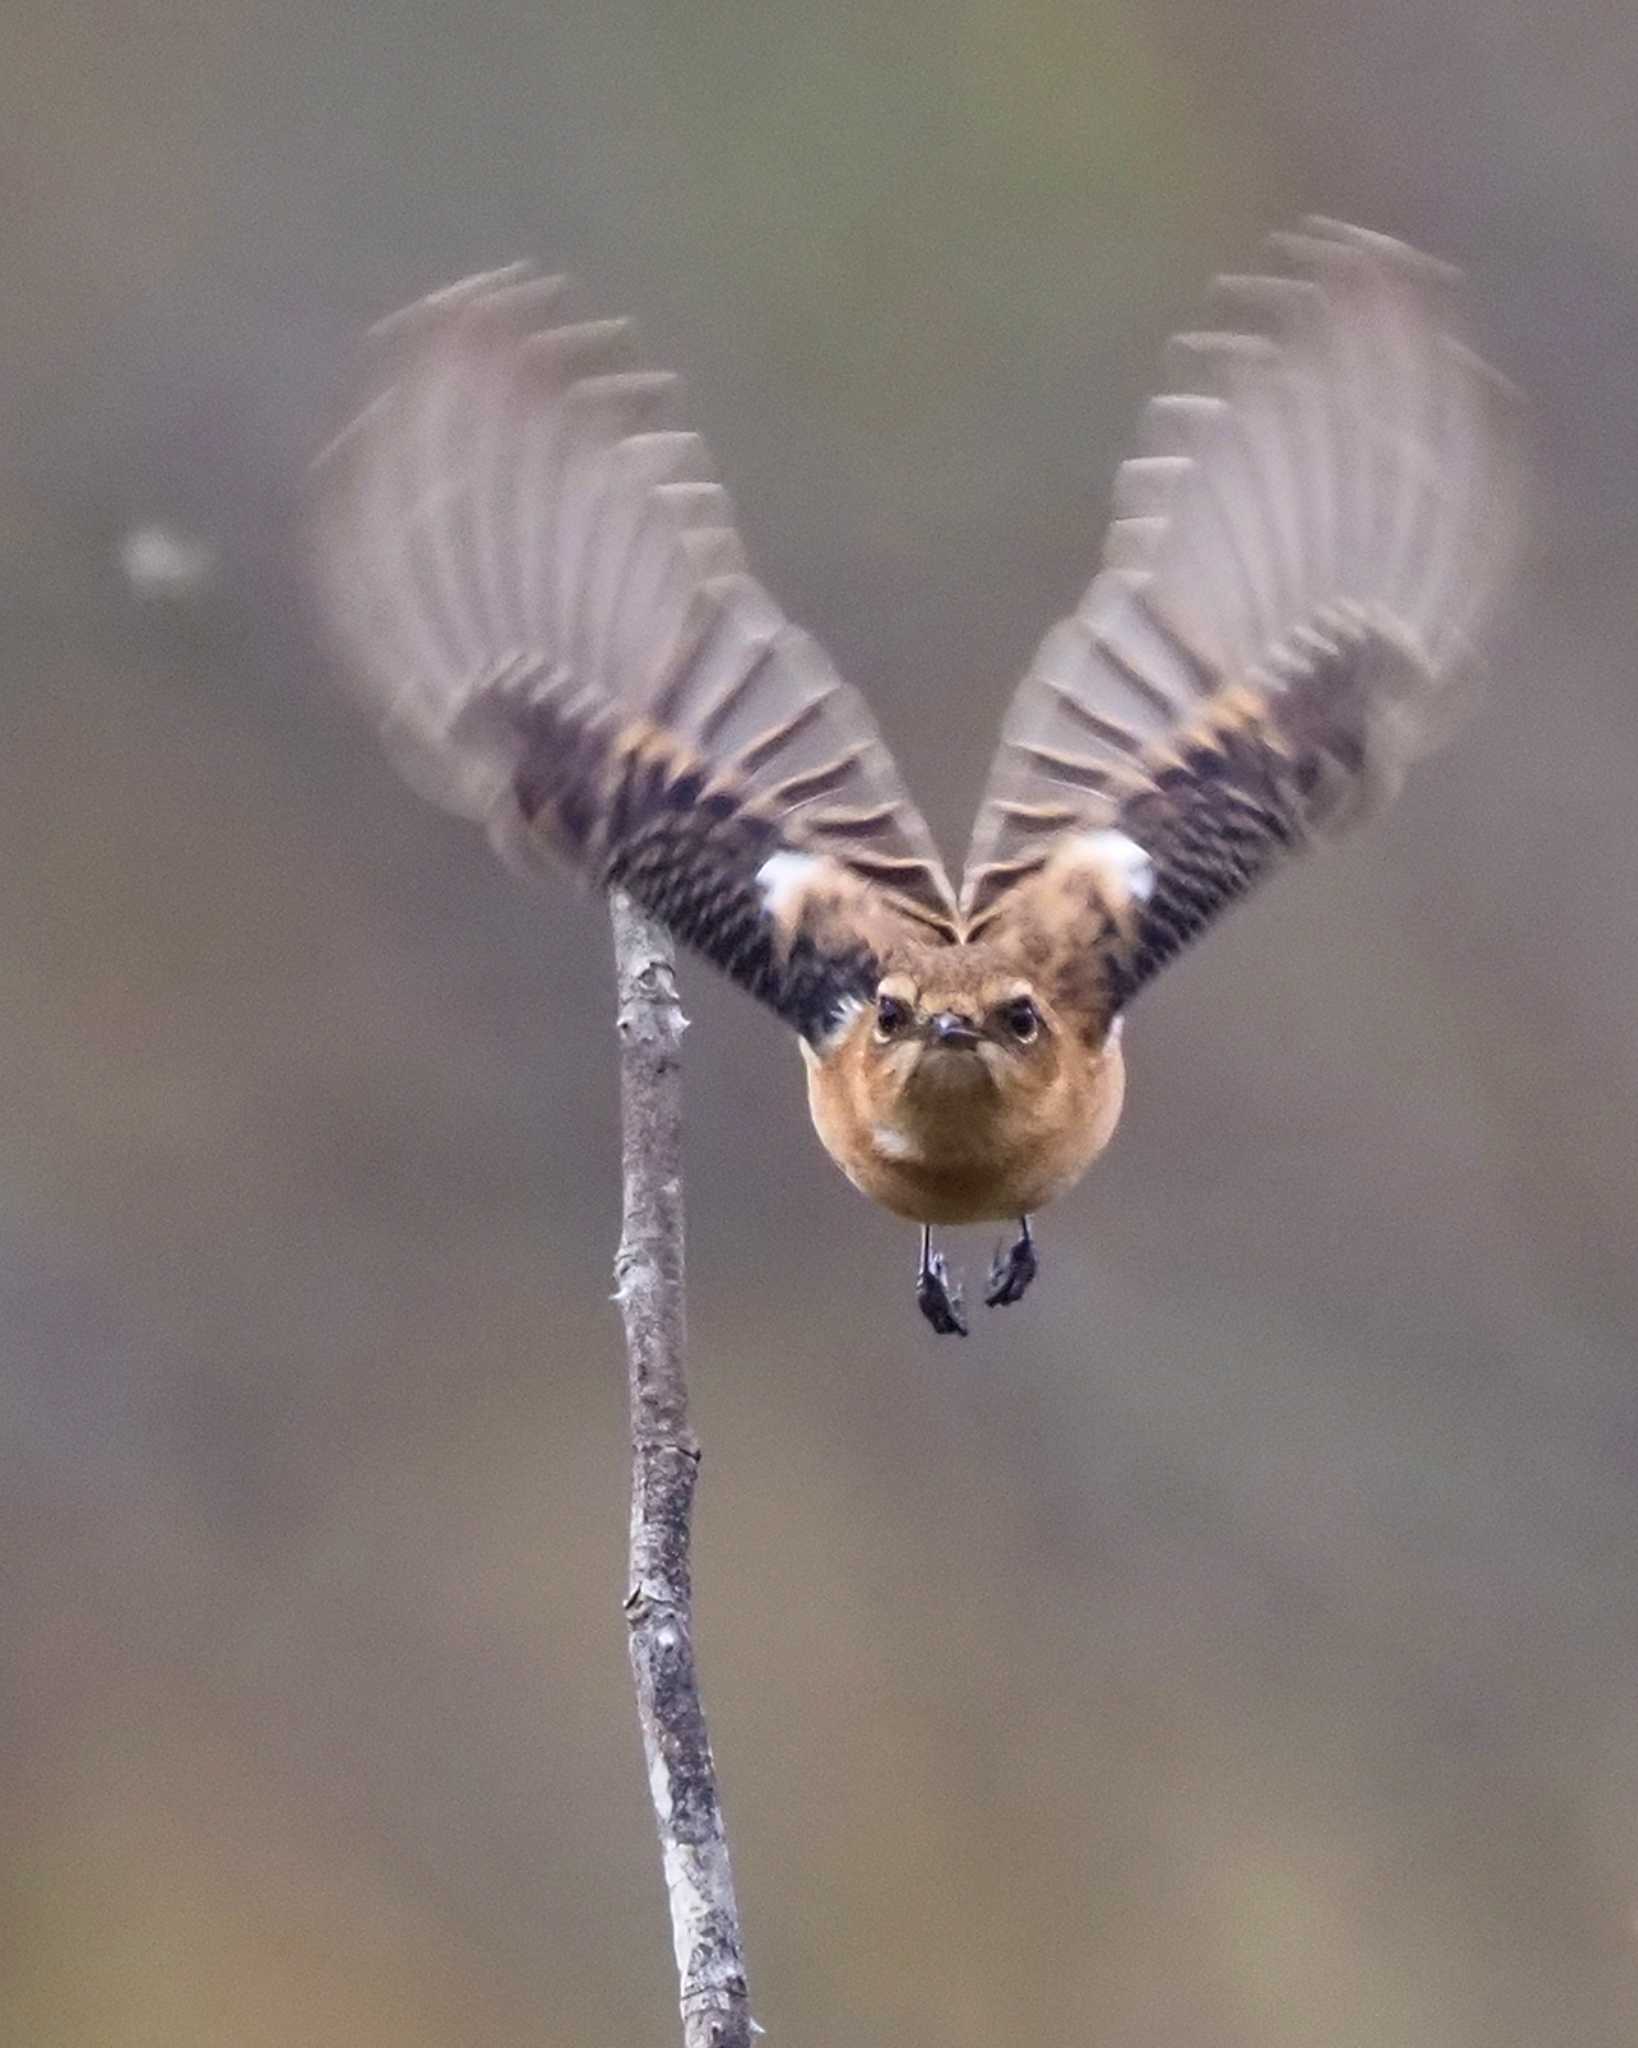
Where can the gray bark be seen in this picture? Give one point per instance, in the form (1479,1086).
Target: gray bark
(664,1469)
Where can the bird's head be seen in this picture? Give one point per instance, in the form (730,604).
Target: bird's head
(956,1031)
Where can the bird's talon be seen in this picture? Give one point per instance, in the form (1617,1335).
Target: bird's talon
(1015,1267)
(939,1298)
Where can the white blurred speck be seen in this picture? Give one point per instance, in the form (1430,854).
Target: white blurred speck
(163,564)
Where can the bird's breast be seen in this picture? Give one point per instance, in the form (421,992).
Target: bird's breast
(970,1157)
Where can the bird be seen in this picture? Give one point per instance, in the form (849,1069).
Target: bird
(536,583)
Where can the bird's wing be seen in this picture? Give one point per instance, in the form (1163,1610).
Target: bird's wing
(1323,512)
(539,589)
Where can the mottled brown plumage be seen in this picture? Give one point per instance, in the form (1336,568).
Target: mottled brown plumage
(540,588)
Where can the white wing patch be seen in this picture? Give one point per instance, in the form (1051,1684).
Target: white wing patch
(1118,853)
(782,878)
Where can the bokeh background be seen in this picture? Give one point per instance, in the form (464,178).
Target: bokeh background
(1237,1645)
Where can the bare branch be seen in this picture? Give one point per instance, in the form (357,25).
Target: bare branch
(665,1459)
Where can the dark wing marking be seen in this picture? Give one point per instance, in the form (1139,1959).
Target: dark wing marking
(539,587)
(1297,568)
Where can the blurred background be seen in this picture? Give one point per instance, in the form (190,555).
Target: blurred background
(1235,1645)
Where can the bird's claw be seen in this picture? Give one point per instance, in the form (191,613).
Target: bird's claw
(1015,1266)
(939,1298)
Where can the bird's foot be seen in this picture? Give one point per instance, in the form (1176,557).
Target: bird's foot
(938,1296)
(1014,1268)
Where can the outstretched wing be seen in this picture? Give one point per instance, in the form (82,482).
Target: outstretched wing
(1299,561)
(541,593)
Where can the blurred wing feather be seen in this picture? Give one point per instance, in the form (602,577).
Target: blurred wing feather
(1322,515)
(540,590)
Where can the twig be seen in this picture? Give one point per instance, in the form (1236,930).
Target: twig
(665,1461)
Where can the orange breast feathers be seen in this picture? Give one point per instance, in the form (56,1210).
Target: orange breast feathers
(962,1095)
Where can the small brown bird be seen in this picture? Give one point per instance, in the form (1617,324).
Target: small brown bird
(540,587)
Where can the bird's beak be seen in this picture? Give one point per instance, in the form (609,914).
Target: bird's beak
(948,1029)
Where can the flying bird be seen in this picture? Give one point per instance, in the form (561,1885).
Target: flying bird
(539,587)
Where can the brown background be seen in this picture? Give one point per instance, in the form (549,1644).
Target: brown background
(1237,1644)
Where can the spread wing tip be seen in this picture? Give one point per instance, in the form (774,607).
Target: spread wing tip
(536,585)
(1333,468)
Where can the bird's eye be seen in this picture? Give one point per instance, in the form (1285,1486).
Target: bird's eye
(891,1016)
(1022,1019)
